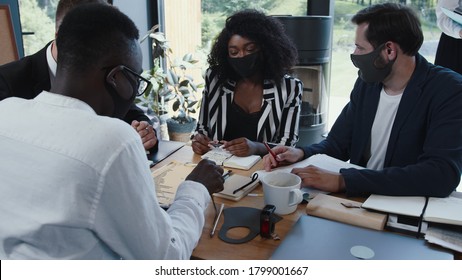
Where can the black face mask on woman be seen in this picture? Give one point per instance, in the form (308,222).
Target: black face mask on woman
(368,70)
(245,66)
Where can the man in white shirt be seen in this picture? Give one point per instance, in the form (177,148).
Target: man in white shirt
(75,183)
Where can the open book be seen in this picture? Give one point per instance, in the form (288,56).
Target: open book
(320,160)
(439,210)
(225,158)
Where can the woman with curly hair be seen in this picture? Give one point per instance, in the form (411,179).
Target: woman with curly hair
(249,98)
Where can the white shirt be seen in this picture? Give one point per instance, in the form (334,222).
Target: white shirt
(52,65)
(75,185)
(446,24)
(381,128)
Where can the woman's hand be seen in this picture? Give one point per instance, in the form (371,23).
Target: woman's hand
(241,147)
(200,144)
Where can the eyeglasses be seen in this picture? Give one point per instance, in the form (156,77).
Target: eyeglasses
(143,83)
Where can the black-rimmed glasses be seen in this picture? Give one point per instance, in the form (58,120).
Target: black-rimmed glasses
(143,83)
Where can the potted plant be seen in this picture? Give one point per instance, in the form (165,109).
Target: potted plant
(171,84)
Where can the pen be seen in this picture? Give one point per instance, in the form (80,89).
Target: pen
(271,152)
(216,221)
(226,175)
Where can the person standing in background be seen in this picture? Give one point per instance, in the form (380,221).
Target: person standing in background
(449,52)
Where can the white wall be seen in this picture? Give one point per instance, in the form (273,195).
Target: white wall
(137,11)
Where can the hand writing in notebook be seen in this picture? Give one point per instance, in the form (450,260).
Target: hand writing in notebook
(272,154)
(243,147)
(200,143)
(283,156)
(208,174)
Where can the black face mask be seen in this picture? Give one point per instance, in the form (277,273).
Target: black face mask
(368,71)
(245,66)
(121,105)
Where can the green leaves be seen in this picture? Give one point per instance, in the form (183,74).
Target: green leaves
(171,83)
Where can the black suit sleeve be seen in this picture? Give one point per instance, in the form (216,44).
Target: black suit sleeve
(135,113)
(4,89)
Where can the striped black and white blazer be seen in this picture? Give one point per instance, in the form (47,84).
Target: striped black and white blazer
(280,109)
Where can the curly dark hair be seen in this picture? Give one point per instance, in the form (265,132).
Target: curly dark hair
(278,51)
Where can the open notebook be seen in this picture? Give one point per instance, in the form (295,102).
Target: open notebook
(320,160)
(225,158)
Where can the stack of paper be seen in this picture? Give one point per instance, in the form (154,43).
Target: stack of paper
(448,237)
(439,210)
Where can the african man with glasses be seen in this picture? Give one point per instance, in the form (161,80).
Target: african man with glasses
(75,183)
(27,77)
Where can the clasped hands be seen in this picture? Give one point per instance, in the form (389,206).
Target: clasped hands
(240,147)
(146,132)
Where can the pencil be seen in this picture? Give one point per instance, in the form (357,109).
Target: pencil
(216,221)
(271,152)
(255,194)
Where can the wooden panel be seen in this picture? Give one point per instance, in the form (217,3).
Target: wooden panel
(183,25)
(9,50)
(183,31)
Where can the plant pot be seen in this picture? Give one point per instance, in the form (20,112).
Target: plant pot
(180,131)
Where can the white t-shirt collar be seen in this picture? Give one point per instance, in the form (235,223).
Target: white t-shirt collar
(52,65)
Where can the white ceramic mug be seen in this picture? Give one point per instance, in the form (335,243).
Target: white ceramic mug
(282,190)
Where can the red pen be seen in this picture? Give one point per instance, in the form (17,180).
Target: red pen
(271,152)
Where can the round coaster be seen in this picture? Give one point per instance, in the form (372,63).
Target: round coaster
(362,252)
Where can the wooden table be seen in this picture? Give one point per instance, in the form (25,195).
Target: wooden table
(213,248)
(216,249)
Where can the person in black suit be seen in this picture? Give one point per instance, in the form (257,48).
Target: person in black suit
(449,51)
(29,76)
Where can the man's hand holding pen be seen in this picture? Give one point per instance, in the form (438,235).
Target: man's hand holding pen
(282,155)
